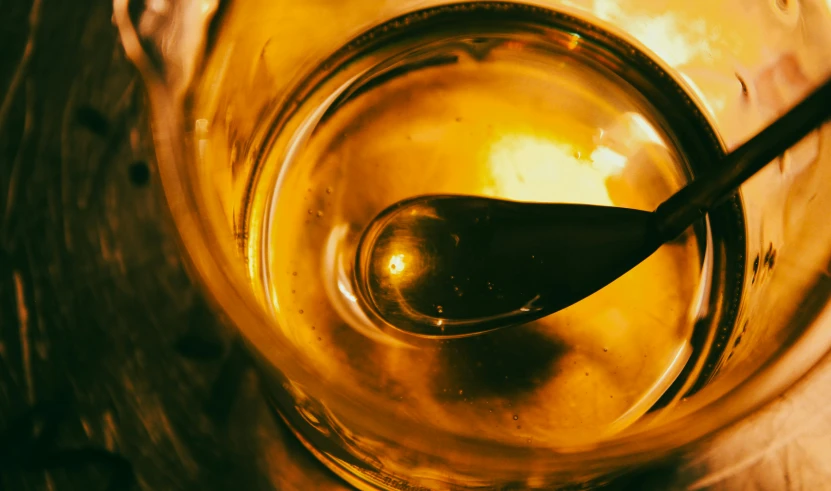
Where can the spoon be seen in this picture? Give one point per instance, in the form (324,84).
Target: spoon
(451,266)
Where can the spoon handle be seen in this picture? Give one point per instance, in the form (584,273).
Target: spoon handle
(678,212)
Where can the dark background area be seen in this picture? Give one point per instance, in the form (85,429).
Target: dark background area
(113,371)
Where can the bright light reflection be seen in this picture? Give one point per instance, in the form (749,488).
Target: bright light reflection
(607,160)
(396,264)
(644,127)
(346,291)
(530,168)
(674,39)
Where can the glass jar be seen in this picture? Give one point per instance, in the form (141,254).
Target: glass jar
(346,106)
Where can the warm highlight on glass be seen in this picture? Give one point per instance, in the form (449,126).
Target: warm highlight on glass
(283,128)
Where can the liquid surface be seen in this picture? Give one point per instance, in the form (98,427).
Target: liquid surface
(506,116)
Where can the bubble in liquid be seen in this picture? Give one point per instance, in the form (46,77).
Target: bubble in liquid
(516,417)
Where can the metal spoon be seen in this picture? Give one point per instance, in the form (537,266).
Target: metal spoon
(450,266)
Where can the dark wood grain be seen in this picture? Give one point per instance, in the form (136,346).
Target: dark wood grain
(114,372)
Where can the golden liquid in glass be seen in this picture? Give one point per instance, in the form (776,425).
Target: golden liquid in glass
(491,117)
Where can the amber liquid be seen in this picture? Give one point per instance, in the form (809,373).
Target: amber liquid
(507,113)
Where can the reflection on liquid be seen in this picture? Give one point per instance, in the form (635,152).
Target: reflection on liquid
(396,264)
(557,169)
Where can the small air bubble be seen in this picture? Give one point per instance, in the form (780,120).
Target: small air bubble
(294,273)
(605,350)
(329,190)
(319,213)
(309,211)
(461,392)
(516,417)
(439,309)
(301,311)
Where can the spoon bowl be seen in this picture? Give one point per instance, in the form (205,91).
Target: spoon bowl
(459,265)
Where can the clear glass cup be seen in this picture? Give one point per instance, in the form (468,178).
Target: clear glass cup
(246,92)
